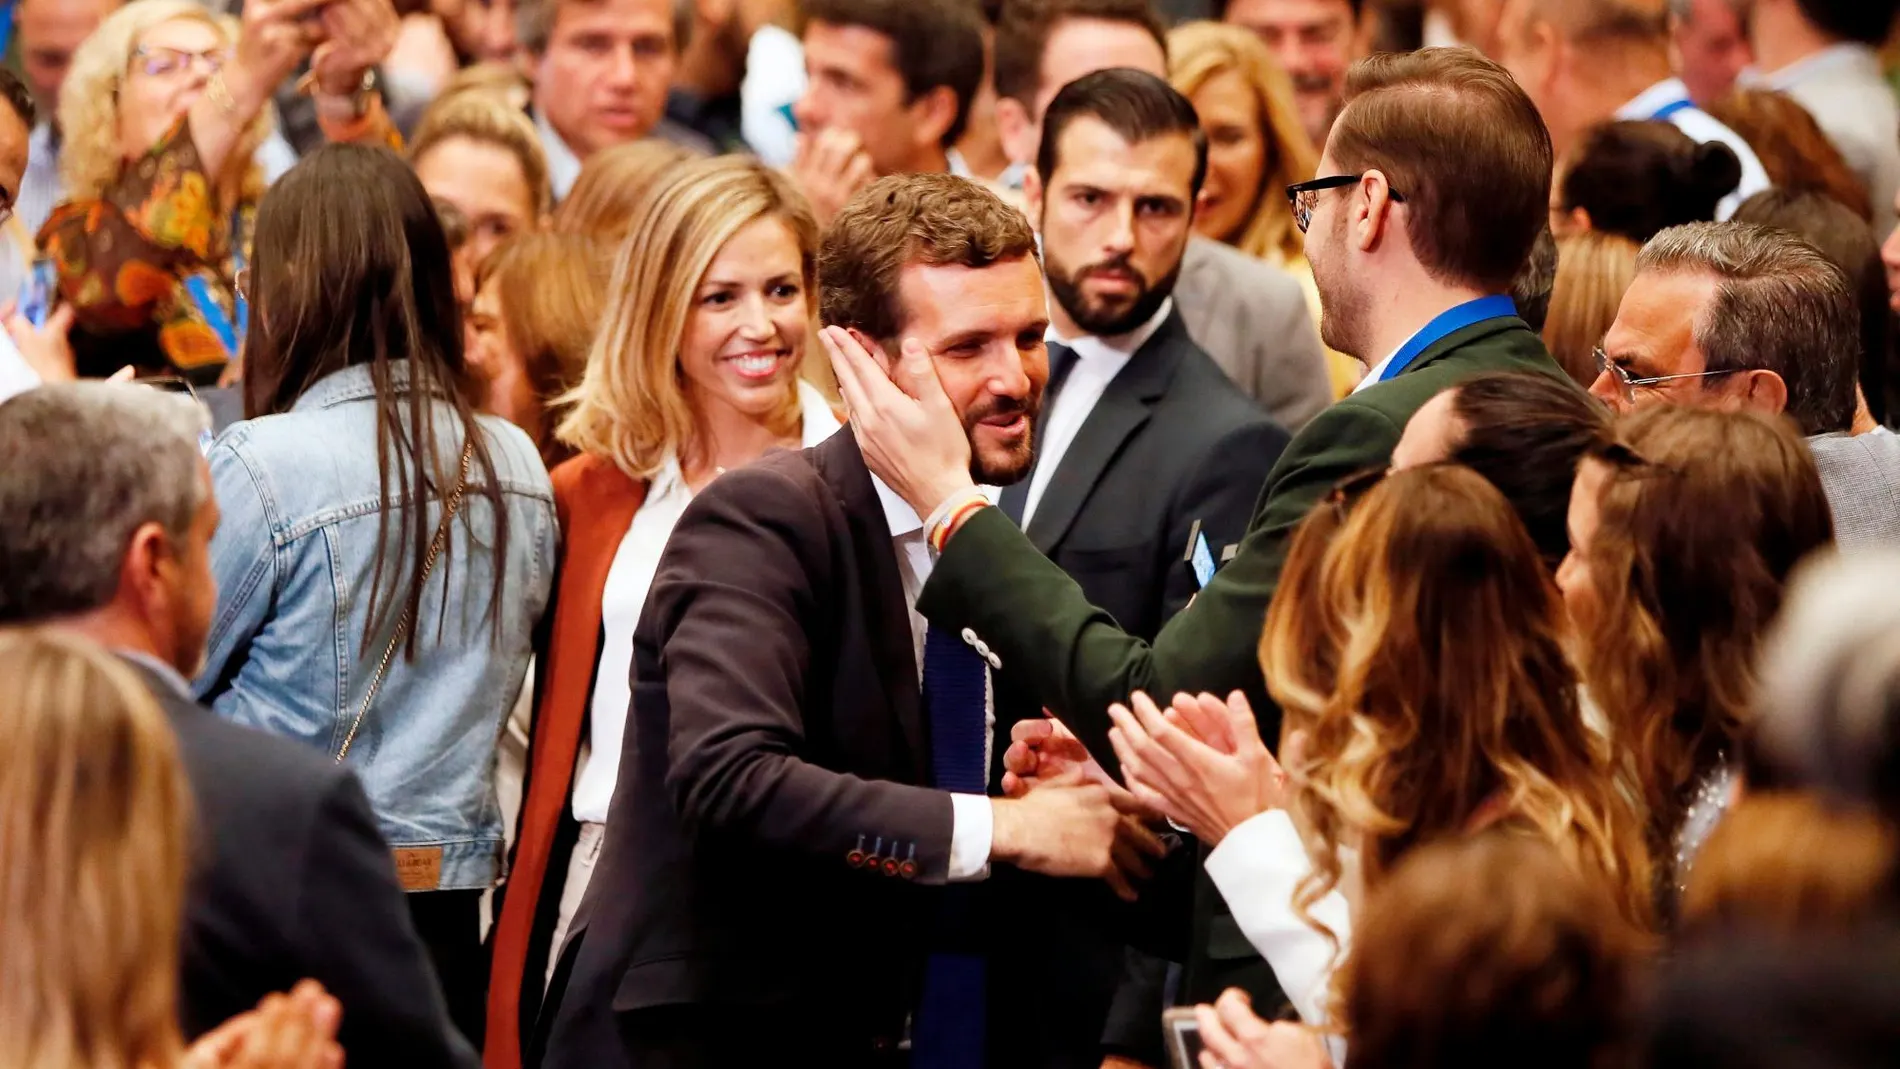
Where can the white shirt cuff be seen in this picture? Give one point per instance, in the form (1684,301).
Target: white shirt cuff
(972,827)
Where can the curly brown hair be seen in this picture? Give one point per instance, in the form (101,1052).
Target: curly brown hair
(931,219)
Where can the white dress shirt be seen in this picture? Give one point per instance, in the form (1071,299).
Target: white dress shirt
(1843,88)
(972,823)
(628,579)
(1702,128)
(1098,359)
(564,167)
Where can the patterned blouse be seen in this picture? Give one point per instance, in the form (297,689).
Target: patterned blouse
(150,266)
(155,252)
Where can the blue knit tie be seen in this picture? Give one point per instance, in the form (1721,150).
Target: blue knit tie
(947,1032)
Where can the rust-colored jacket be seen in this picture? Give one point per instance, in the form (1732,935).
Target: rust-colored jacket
(595,502)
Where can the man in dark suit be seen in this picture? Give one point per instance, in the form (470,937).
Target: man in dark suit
(1142,436)
(108,531)
(1413,247)
(1144,443)
(794,870)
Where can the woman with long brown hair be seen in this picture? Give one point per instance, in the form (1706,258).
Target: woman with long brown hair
(1684,527)
(369,512)
(1417,648)
(95,829)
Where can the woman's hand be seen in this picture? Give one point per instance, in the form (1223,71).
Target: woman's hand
(274,36)
(294,1031)
(359,34)
(1202,762)
(1236,1038)
(44,348)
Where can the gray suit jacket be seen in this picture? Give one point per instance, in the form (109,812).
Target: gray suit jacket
(1861,477)
(1251,318)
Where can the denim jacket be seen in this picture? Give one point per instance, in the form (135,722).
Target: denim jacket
(294,557)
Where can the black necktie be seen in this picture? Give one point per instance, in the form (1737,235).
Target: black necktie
(1061,362)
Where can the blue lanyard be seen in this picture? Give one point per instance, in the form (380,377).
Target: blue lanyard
(1448,322)
(229,327)
(6,24)
(1670,109)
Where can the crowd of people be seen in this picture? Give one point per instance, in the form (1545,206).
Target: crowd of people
(1062,534)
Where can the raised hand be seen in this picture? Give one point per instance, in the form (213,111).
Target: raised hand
(910,433)
(831,166)
(358,35)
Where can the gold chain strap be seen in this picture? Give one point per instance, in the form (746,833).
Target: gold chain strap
(449,509)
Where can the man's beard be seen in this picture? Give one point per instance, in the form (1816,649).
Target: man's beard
(1342,307)
(1003,468)
(1101,320)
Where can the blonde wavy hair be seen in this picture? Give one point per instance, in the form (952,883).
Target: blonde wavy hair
(92,158)
(94,819)
(1418,641)
(1201,51)
(631,406)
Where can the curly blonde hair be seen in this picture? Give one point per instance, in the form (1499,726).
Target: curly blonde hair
(92,158)
(1419,643)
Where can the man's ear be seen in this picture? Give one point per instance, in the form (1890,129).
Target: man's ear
(1761,390)
(142,571)
(1015,131)
(931,115)
(879,352)
(1032,194)
(1371,209)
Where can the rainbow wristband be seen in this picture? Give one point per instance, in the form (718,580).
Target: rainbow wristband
(950,515)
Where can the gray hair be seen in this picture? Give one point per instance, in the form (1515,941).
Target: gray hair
(82,466)
(1829,703)
(1780,306)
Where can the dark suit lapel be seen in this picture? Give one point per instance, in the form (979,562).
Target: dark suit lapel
(887,614)
(1122,410)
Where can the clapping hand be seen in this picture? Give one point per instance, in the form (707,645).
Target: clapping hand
(294,1031)
(1202,762)
(1236,1038)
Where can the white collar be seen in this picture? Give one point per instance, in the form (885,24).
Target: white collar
(564,167)
(1089,346)
(817,423)
(1654,99)
(1847,57)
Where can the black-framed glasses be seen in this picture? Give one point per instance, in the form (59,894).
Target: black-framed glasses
(1304,196)
(1626,383)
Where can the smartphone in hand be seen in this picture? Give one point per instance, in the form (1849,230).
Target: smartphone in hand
(39,291)
(1181,1031)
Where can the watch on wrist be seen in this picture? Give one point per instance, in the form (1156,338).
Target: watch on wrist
(350,106)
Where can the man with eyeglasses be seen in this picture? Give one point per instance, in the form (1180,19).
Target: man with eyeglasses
(1738,316)
(1413,286)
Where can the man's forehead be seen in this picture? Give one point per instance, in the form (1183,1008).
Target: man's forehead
(1659,311)
(944,299)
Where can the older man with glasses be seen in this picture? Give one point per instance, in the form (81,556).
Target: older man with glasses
(1738,316)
